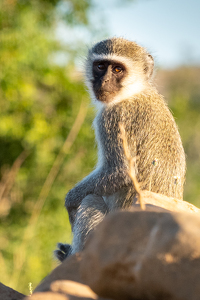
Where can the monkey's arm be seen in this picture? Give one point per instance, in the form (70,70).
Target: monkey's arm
(102,181)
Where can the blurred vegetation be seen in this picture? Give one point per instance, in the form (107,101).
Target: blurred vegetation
(39,103)
(46,140)
(181,88)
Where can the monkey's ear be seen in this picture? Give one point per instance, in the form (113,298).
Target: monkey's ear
(149,66)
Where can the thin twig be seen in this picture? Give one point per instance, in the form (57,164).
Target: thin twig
(8,180)
(131,161)
(59,160)
(29,231)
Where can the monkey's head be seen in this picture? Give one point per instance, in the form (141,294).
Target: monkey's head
(117,69)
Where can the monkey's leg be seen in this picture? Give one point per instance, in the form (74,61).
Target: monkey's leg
(65,250)
(88,215)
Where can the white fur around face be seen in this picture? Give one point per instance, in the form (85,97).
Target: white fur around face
(134,82)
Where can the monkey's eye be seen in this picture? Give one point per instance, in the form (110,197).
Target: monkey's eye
(117,69)
(101,66)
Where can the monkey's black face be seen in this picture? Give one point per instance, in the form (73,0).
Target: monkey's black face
(108,77)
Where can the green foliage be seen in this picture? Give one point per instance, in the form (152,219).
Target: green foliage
(182,90)
(39,102)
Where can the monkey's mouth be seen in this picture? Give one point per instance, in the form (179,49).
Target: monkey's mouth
(105,96)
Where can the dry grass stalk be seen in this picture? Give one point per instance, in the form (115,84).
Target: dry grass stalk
(59,159)
(131,161)
(8,180)
(20,255)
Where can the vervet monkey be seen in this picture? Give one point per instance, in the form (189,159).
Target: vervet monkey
(118,75)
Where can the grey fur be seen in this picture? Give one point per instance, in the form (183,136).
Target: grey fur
(90,213)
(152,136)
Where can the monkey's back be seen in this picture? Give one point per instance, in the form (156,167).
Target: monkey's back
(153,138)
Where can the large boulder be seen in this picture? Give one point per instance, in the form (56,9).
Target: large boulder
(144,255)
(65,290)
(64,283)
(68,270)
(6,293)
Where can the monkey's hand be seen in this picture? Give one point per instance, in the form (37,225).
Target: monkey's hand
(63,251)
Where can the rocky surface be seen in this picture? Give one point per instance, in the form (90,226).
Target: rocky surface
(65,290)
(7,293)
(151,254)
(155,200)
(73,288)
(48,296)
(144,255)
(65,281)
(68,270)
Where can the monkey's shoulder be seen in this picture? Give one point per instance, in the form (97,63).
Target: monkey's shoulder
(137,106)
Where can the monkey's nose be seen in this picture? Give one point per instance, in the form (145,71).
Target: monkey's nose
(105,82)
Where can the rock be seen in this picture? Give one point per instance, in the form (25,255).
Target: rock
(7,293)
(64,283)
(68,270)
(155,200)
(73,288)
(66,290)
(48,296)
(144,255)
